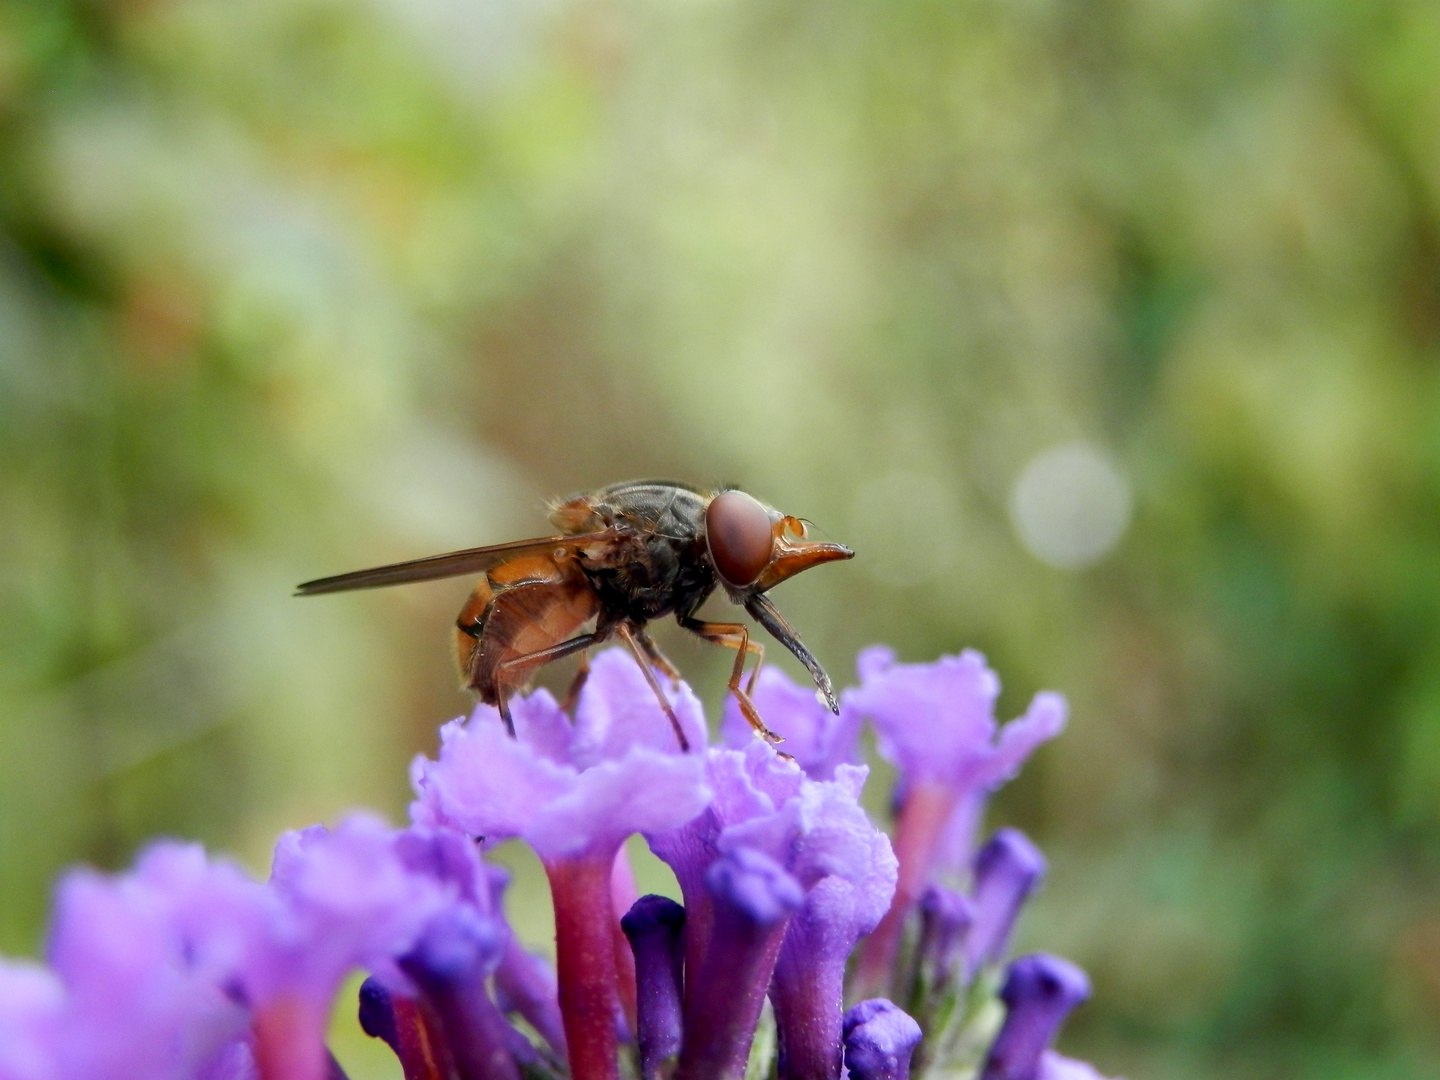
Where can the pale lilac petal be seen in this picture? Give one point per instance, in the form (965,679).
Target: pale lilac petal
(645,791)
(139,1000)
(490,785)
(353,902)
(835,837)
(1043,720)
(487,784)
(617,710)
(816,738)
(539,723)
(1055,1066)
(872,661)
(931,720)
(451,861)
(236,1061)
(31,1004)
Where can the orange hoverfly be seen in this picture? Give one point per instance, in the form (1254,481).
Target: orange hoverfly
(625,555)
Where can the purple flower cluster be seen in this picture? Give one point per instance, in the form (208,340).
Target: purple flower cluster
(186,968)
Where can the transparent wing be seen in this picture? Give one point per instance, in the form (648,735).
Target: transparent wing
(452,564)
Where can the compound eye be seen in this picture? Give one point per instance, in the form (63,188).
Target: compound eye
(739,532)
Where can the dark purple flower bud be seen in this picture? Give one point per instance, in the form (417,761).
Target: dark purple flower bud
(655,926)
(879,1039)
(402,1023)
(1007,870)
(753,898)
(1039,992)
(946,917)
(377,1013)
(457,952)
(816,738)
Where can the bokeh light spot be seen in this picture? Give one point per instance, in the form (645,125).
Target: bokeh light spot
(1071,505)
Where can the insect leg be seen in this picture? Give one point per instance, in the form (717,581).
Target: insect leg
(735,636)
(507,669)
(639,652)
(582,673)
(658,658)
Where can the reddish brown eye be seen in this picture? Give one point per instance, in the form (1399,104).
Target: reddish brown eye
(739,533)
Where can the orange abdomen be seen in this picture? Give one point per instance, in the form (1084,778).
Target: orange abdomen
(521,607)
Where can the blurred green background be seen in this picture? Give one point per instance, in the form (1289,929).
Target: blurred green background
(289,287)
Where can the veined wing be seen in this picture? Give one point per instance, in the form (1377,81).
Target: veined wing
(451,564)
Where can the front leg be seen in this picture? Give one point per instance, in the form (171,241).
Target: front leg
(736,636)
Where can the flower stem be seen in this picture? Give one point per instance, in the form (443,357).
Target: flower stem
(585,960)
(623,895)
(290,1041)
(922,821)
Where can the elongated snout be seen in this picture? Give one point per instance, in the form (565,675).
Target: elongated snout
(792,556)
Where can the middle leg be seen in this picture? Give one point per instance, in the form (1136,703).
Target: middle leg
(736,636)
(638,651)
(658,658)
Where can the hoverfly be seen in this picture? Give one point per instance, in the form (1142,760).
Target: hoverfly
(625,555)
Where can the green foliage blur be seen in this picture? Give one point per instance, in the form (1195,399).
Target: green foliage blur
(289,287)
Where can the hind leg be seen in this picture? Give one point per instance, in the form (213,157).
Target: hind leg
(511,672)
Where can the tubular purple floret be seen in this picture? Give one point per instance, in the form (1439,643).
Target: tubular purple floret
(457,952)
(849,870)
(754,898)
(936,723)
(1039,992)
(655,927)
(1007,870)
(401,1023)
(946,917)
